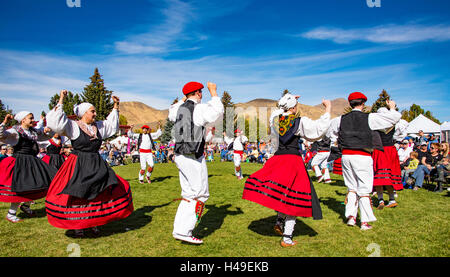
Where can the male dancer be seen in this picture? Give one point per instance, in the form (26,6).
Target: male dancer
(354,133)
(238,150)
(320,161)
(146,147)
(190,117)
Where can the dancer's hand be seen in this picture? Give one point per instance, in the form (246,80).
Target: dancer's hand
(212,89)
(62,95)
(391,104)
(116,101)
(8,117)
(47,130)
(327,105)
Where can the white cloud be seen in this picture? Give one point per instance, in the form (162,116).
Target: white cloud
(392,33)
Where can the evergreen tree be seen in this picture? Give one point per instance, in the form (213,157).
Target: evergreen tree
(70,101)
(97,94)
(227,103)
(166,136)
(381,101)
(123,120)
(3,112)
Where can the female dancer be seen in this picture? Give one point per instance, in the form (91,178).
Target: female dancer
(283,183)
(23,176)
(86,192)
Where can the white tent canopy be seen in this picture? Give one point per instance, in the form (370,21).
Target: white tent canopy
(445,126)
(423,123)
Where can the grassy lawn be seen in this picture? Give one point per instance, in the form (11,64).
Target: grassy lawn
(232,227)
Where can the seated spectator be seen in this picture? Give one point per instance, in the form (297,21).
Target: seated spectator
(427,165)
(3,150)
(431,139)
(410,165)
(223,154)
(9,151)
(411,144)
(404,153)
(134,155)
(103,153)
(253,155)
(444,149)
(111,159)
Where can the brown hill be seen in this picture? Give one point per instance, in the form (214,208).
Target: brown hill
(138,113)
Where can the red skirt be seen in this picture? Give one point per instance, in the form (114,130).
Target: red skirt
(7,166)
(69,212)
(283,185)
(386,168)
(337,166)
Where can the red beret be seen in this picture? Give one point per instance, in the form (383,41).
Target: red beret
(237,131)
(191,87)
(356,95)
(145,126)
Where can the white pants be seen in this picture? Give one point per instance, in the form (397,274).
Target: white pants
(320,161)
(237,163)
(357,171)
(194,186)
(145,158)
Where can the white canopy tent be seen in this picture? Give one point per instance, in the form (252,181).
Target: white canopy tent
(445,132)
(423,123)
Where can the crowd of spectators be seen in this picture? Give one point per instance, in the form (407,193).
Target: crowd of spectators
(423,158)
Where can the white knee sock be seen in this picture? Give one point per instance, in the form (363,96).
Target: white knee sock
(289,225)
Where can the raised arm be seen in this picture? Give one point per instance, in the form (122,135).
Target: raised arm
(58,122)
(314,129)
(385,120)
(211,111)
(8,136)
(110,126)
(173,110)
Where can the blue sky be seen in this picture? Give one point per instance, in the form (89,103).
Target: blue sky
(147,50)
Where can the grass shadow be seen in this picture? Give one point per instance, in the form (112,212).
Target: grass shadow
(334,205)
(214,218)
(264,227)
(134,221)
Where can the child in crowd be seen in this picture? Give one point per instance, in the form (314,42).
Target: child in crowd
(412,164)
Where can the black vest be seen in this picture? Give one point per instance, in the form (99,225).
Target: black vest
(189,139)
(140,140)
(354,131)
(84,143)
(387,139)
(323,144)
(53,149)
(289,142)
(26,145)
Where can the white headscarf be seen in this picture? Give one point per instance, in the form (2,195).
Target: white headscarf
(81,109)
(288,101)
(21,115)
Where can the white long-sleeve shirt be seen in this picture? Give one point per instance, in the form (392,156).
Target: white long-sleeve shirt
(11,136)
(238,142)
(145,143)
(59,123)
(309,129)
(204,113)
(377,121)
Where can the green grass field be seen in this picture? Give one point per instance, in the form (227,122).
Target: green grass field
(233,227)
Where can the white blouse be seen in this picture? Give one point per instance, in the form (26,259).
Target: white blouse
(11,136)
(59,123)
